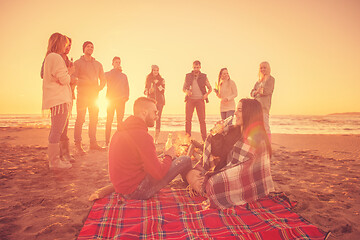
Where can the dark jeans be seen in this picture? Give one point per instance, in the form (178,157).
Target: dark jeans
(149,186)
(113,105)
(83,103)
(59,124)
(199,104)
(158,121)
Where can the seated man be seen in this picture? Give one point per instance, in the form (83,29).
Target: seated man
(135,170)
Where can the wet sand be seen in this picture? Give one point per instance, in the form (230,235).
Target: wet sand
(320,172)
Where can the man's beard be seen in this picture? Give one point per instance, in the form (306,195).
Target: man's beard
(149,121)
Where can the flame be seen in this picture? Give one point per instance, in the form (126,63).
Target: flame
(182,144)
(183,147)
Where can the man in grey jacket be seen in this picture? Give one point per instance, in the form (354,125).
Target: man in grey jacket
(117,95)
(88,71)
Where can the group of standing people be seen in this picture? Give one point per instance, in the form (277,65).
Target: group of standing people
(197,89)
(235,162)
(62,75)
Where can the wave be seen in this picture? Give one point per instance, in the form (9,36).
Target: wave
(289,124)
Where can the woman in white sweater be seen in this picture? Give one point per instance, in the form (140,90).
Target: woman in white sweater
(56,95)
(226,90)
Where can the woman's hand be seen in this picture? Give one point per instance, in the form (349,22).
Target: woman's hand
(218,128)
(224,100)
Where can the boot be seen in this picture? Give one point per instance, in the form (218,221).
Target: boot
(54,158)
(79,148)
(95,146)
(65,152)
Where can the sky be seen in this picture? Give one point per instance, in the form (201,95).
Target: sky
(313,48)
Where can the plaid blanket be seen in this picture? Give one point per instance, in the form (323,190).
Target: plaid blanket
(245,178)
(172,214)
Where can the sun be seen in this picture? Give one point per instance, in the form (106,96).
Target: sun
(102,103)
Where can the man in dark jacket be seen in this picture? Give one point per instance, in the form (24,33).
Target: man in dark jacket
(134,167)
(117,95)
(195,87)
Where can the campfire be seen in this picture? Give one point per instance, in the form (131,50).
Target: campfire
(185,146)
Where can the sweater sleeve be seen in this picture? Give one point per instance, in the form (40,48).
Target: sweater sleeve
(161,86)
(252,93)
(154,166)
(269,86)
(59,69)
(234,93)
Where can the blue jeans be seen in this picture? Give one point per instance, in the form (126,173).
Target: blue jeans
(59,123)
(113,105)
(150,186)
(64,136)
(86,102)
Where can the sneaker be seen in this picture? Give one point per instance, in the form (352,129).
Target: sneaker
(79,148)
(60,165)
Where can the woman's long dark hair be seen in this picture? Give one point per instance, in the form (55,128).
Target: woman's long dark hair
(253,121)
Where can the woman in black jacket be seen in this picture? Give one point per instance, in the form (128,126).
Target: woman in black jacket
(155,88)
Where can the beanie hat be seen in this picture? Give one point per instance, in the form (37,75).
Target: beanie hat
(85,44)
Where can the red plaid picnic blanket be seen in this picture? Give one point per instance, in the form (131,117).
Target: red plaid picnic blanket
(173,214)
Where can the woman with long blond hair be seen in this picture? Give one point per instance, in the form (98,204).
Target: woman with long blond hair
(263,91)
(57,96)
(227,92)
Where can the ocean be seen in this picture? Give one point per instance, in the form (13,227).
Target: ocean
(288,124)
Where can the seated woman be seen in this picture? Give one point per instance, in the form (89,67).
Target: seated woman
(236,162)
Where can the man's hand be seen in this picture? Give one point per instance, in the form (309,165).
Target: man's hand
(188,93)
(205,96)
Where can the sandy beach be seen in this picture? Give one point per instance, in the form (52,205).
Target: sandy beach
(320,172)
